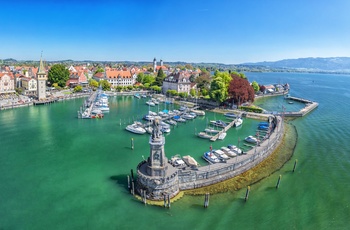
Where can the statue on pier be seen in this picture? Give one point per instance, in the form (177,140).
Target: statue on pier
(156,133)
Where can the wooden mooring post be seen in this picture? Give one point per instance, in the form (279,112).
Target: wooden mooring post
(295,164)
(247,193)
(132,143)
(279,181)
(128,181)
(206,200)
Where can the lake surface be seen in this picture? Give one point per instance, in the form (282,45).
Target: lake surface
(60,172)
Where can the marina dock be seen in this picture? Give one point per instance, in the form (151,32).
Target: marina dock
(214,138)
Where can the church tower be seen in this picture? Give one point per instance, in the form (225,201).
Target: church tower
(161,62)
(154,65)
(41,81)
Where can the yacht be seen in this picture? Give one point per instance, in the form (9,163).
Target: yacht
(218,123)
(210,157)
(176,161)
(221,155)
(235,149)
(228,152)
(251,139)
(238,122)
(135,128)
(222,136)
(204,135)
(190,161)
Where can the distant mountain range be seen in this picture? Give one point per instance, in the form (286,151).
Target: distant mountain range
(332,64)
(336,64)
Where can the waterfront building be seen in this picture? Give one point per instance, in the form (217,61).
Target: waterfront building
(7,83)
(41,81)
(76,78)
(116,77)
(29,85)
(179,81)
(156,176)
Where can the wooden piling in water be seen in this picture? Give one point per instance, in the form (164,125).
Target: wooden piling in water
(295,164)
(278,182)
(164,201)
(206,200)
(132,143)
(168,201)
(144,197)
(128,182)
(132,188)
(132,175)
(247,193)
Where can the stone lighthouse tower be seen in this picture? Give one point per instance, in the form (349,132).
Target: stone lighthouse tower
(41,81)
(156,176)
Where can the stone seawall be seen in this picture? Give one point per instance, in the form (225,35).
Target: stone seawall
(212,174)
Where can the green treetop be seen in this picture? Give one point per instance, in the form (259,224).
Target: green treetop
(59,74)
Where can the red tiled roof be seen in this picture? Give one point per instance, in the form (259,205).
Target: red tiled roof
(118,73)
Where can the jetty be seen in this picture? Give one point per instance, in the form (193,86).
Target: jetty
(227,127)
(309,106)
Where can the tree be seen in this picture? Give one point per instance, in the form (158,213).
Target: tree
(93,83)
(255,86)
(140,77)
(219,86)
(78,88)
(59,74)
(99,70)
(262,88)
(160,78)
(105,85)
(156,88)
(192,92)
(240,90)
(203,80)
(171,92)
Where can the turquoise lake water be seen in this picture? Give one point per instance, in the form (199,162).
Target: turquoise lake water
(60,172)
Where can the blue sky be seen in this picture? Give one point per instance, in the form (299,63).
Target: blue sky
(221,31)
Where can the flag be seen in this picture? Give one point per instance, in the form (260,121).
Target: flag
(211,148)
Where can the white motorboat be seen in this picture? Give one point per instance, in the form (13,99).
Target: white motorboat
(230,115)
(176,161)
(177,118)
(171,122)
(238,122)
(198,112)
(222,136)
(228,152)
(210,157)
(209,130)
(190,161)
(219,123)
(150,103)
(204,135)
(235,149)
(165,130)
(165,125)
(148,117)
(187,116)
(149,129)
(251,139)
(220,154)
(135,128)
